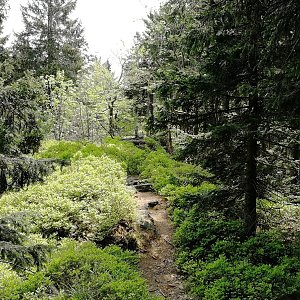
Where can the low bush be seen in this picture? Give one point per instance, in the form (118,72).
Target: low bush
(59,149)
(81,201)
(214,253)
(186,196)
(125,153)
(239,279)
(81,271)
(9,280)
(161,170)
(198,233)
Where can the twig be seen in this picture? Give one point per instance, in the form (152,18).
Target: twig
(169,242)
(162,292)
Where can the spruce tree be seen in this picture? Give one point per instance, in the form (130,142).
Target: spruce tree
(19,132)
(51,41)
(226,74)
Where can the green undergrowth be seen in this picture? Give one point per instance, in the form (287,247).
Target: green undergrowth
(80,202)
(218,260)
(125,153)
(78,271)
(281,213)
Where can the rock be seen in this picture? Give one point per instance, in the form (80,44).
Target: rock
(145,221)
(132,189)
(153,204)
(140,185)
(143,187)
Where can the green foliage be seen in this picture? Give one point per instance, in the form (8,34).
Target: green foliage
(92,108)
(198,233)
(280,213)
(9,280)
(219,74)
(51,40)
(21,116)
(104,110)
(59,149)
(82,201)
(186,196)
(124,152)
(61,93)
(18,172)
(162,170)
(127,153)
(82,271)
(222,279)
(16,247)
(220,263)
(213,251)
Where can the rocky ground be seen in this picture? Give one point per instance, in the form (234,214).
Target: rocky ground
(157,251)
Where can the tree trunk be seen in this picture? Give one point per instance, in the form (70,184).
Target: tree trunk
(296,156)
(151,112)
(251,193)
(251,180)
(50,41)
(3,182)
(111,125)
(88,133)
(81,122)
(169,142)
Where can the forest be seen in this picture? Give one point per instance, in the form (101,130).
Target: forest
(205,113)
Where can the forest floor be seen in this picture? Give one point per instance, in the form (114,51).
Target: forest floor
(157,263)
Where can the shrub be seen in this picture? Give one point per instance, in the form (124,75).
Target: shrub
(220,263)
(198,233)
(162,170)
(59,149)
(265,248)
(82,201)
(9,280)
(124,152)
(82,271)
(186,196)
(223,279)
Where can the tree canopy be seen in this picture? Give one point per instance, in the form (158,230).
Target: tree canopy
(52,40)
(224,73)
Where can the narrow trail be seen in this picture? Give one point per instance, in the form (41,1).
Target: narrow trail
(158,254)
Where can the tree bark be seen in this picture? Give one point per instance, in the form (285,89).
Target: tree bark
(251,179)
(251,192)
(111,117)
(169,141)
(151,112)
(296,156)
(50,41)
(3,182)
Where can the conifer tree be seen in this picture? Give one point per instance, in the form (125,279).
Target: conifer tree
(51,41)
(19,133)
(226,74)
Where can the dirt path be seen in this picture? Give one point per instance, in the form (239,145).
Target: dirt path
(158,254)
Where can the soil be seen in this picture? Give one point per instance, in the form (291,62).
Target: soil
(158,253)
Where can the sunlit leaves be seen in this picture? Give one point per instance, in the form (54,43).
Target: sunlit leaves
(82,201)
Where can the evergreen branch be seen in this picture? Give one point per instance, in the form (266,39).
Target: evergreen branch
(16,265)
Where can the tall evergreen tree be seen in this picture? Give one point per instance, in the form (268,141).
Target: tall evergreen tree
(19,132)
(221,74)
(51,41)
(3,9)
